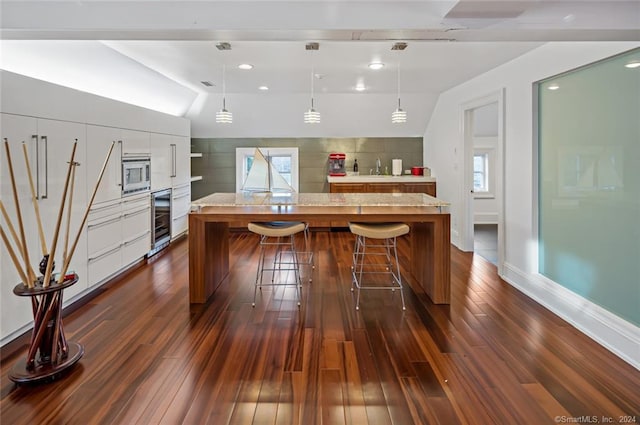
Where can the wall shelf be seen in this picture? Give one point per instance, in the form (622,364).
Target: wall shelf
(196,154)
(196,178)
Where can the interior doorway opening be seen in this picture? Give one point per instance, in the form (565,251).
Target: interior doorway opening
(482,218)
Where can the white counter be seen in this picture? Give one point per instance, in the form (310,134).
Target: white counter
(380,179)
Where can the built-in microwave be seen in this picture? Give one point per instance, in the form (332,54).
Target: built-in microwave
(136,175)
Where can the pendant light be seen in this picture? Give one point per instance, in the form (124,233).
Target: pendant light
(223,116)
(399,116)
(312,116)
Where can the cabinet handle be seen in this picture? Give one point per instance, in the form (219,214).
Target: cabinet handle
(111,251)
(137,212)
(119,175)
(136,154)
(46,166)
(135,198)
(35,137)
(181,196)
(173,159)
(180,186)
(116,204)
(103,223)
(130,241)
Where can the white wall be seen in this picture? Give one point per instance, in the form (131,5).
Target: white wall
(443,144)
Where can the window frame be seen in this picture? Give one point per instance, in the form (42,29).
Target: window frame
(243,153)
(489,171)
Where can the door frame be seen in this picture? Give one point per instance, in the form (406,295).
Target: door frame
(466,172)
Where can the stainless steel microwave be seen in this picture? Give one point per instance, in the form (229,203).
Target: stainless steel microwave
(136,175)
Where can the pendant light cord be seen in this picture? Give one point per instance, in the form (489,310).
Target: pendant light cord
(224,88)
(398,83)
(312,70)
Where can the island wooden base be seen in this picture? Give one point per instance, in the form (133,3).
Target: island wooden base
(430,250)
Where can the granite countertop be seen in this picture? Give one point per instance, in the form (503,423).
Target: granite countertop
(319,199)
(365,178)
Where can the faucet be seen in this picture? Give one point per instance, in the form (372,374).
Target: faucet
(378,166)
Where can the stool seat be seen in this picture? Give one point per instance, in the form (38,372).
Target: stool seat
(379,230)
(276,229)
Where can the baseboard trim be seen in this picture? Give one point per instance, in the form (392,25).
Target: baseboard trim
(615,334)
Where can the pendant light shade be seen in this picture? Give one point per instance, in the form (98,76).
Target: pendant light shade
(399,116)
(223,116)
(312,116)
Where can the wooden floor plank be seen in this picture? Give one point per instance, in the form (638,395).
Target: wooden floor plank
(491,357)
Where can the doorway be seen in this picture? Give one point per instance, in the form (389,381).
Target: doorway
(482,175)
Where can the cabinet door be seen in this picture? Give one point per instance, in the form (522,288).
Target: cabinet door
(180,206)
(136,233)
(55,144)
(384,188)
(15,312)
(161,161)
(104,240)
(347,187)
(99,141)
(135,143)
(182,160)
(428,188)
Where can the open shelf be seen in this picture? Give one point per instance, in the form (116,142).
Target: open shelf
(196,154)
(196,178)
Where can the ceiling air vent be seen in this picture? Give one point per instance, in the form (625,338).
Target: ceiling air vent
(399,46)
(223,46)
(207,83)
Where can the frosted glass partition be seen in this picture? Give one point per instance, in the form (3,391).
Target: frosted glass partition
(589,183)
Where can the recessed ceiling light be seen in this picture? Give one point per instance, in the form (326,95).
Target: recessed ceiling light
(634,64)
(376,65)
(263,88)
(360,87)
(245,66)
(553,87)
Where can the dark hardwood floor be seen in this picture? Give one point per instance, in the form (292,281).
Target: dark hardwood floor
(491,357)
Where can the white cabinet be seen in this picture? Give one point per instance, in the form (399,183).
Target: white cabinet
(170,161)
(104,233)
(99,140)
(171,168)
(180,206)
(119,234)
(135,143)
(136,228)
(161,161)
(182,161)
(49,144)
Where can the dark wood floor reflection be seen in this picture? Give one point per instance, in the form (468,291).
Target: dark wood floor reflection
(492,357)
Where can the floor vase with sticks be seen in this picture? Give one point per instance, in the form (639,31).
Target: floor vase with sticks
(49,351)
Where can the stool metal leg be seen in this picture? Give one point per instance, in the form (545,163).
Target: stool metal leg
(277,265)
(390,252)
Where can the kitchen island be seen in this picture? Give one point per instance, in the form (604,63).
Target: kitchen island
(427,216)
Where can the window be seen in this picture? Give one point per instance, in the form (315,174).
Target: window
(483,172)
(480,172)
(284,160)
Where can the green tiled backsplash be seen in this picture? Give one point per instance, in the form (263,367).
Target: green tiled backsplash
(218,163)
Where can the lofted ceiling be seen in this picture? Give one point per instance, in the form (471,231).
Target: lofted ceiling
(156,54)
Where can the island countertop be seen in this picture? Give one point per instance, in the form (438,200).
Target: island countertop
(316,199)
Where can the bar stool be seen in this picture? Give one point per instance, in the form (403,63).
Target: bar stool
(381,239)
(278,230)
